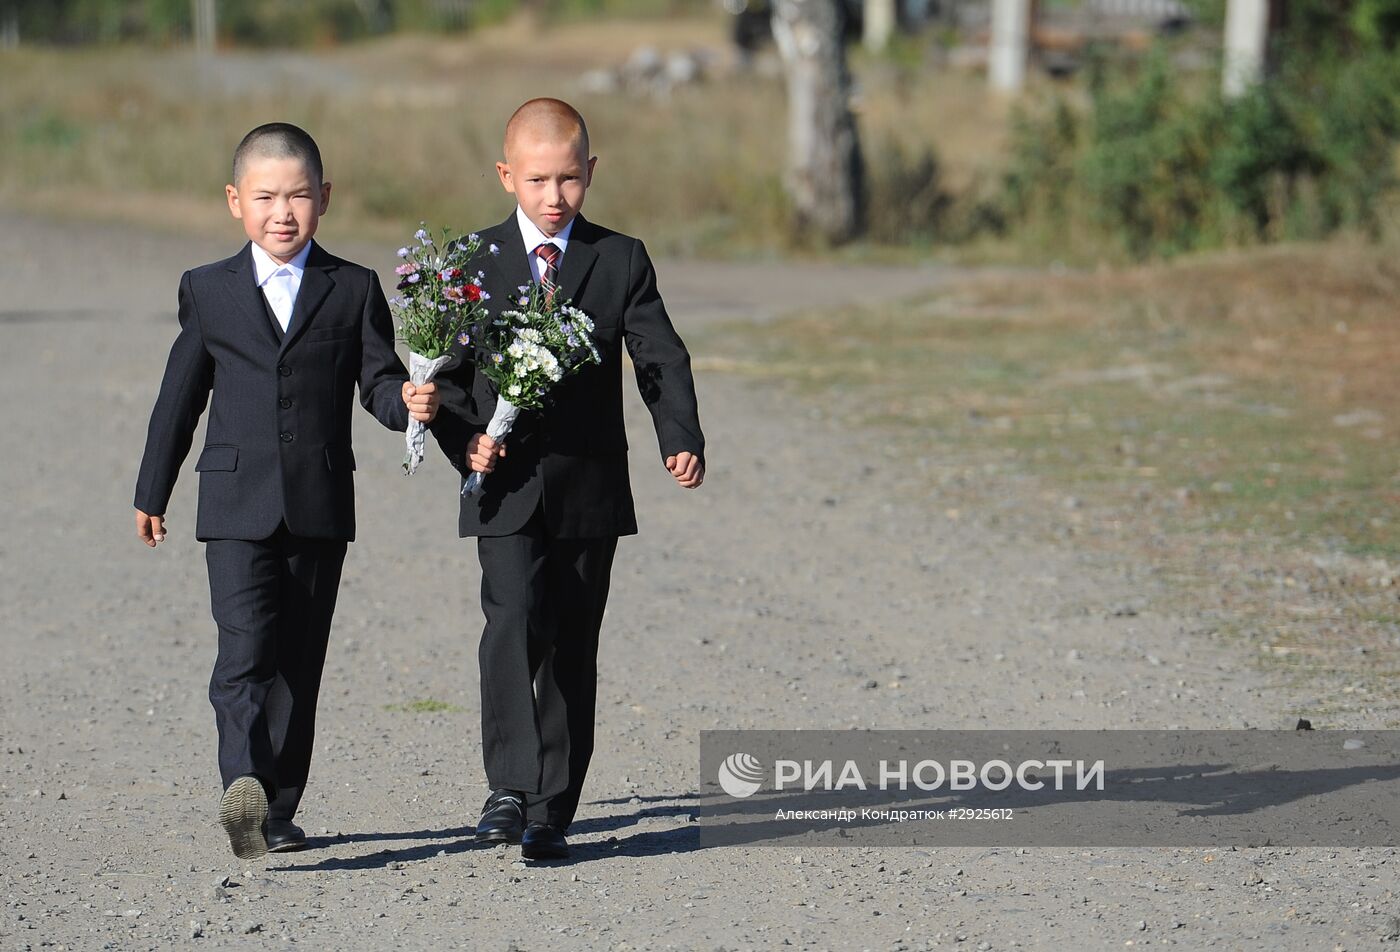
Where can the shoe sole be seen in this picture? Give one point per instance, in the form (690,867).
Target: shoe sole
(292,847)
(538,856)
(241,814)
(539,853)
(497,838)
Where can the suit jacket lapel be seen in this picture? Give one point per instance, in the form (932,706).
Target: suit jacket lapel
(316,283)
(578,260)
(511,264)
(247,296)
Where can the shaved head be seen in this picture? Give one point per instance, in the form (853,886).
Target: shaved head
(550,121)
(278,140)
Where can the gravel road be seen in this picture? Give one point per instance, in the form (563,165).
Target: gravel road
(774,597)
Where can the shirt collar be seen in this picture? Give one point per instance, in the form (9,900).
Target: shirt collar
(264,267)
(534,237)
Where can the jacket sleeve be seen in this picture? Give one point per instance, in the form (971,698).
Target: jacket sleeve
(661,362)
(456,421)
(382,374)
(184,393)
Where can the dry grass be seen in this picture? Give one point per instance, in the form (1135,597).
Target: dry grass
(1232,418)
(410,128)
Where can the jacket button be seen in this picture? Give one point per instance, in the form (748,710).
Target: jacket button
(284,370)
(287,437)
(284,403)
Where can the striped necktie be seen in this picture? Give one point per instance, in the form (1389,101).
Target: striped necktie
(549,277)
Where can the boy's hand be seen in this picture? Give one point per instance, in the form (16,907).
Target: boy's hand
(482,452)
(422,402)
(151,529)
(687,469)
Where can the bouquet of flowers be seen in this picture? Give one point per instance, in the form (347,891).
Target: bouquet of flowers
(526,353)
(439,303)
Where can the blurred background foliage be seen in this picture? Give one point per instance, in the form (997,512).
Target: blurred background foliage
(1157,162)
(1131,154)
(294,22)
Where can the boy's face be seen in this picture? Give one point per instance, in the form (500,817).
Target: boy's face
(280,203)
(548,178)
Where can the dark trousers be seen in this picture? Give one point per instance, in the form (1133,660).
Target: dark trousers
(273,600)
(543,599)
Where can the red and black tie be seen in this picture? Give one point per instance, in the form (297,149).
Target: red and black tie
(549,277)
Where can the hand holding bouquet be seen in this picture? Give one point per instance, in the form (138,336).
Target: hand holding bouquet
(439,302)
(526,352)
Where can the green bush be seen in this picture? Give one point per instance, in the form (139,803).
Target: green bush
(1158,164)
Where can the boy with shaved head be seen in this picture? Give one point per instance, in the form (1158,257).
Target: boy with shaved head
(548,519)
(274,340)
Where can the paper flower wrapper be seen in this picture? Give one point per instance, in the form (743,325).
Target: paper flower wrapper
(420,370)
(502,419)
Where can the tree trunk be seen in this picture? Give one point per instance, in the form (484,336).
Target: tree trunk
(206,29)
(878,25)
(9,26)
(1246,42)
(824,162)
(1010,45)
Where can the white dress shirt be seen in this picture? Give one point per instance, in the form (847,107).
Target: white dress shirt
(280,282)
(534,238)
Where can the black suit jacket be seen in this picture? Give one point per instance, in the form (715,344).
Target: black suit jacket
(573,454)
(277,448)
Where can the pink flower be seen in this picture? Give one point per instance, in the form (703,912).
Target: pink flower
(408,268)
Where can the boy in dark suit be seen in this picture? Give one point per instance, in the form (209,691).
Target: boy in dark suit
(281,333)
(551,511)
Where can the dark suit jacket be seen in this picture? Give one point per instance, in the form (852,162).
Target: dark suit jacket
(573,454)
(278,442)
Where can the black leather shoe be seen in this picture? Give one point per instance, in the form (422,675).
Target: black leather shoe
(502,818)
(283,836)
(544,841)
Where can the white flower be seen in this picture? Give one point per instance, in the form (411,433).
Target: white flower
(520,370)
(580,318)
(516,350)
(513,390)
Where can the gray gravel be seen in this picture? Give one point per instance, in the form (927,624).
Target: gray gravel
(773,597)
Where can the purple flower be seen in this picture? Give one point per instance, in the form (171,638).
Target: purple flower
(485,296)
(473,237)
(495,249)
(403,252)
(422,235)
(442,307)
(464,339)
(413,278)
(497,358)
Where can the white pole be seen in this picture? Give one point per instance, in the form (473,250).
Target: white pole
(879,24)
(205,25)
(1010,45)
(1246,36)
(9,29)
